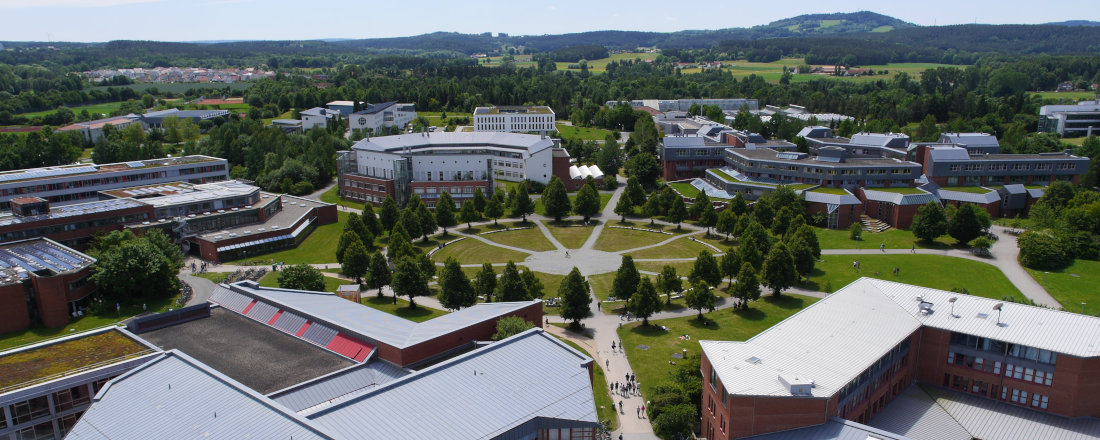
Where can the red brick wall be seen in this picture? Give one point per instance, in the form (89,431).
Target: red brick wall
(846,215)
(1079,379)
(50,297)
(209,250)
(482,331)
(65,236)
(359,193)
(14,315)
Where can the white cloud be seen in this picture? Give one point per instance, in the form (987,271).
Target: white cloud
(28,4)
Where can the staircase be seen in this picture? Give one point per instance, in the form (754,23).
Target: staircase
(872,225)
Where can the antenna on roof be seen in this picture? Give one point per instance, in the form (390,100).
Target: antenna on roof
(998,308)
(952,301)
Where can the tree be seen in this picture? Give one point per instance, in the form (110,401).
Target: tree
(355,224)
(302,277)
(778,272)
(134,269)
(410,220)
(855,232)
(930,222)
(485,282)
(522,206)
(624,207)
(726,222)
(668,281)
(1042,250)
(730,264)
(427,266)
(356,261)
(652,208)
(747,287)
(535,289)
(379,273)
(644,302)
(400,245)
(370,220)
(510,326)
(965,225)
(702,200)
(555,201)
(675,421)
(479,200)
(708,218)
(706,270)
(346,239)
(700,298)
(587,203)
(756,236)
(634,191)
(469,214)
(494,210)
(610,156)
(750,256)
(807,234)
(678,212)
(409,281)
(645,167)
(389,213)
(667,196)
(575,297)
(982,245)
(626,279)
(427,221)
(445,212)
(738,205)
(455,290)
(510,286)
(802,255)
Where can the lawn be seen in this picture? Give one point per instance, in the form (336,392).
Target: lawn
(318,248)
(683,268)
(968,189)
(935,271)
(472,251)
(330,196)
(571,237)
(898,190)
(97,110)
(435,118)
(652,366)
(1076,284)
(619,239)
(601,284)
(685,189)
(1075,97)
(530,238)
(583,133)
(272,280)
(682,248)
(827,190)
(89,321)
(601,391)
(894,239)
(401,309)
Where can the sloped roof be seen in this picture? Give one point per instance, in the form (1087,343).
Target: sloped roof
(375,108)
(971,139)
(990,196)
(175,396)
(833,429)
(898,198)
(833,199)
(341,383)
(397,144)
(949,153)
(481,394)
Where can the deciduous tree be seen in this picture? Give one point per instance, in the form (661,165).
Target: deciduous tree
(575,298)
(700,298)
(778,272)
(587,203)
(706,270)
(678,212)
(510,326)
(668,282)
(379,273)
(930,222)
(644,302)
(747,287)
(445,212)
(522,206)
(302,277)
(409,281)
(389,213)
(356,261)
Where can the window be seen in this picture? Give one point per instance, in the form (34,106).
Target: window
(1021,166)
(974,167)
(954,167)
(725,397)
(713,379)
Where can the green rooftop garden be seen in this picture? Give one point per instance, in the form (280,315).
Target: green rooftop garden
(827,190)
(898,190)
(57,359)
(968,189)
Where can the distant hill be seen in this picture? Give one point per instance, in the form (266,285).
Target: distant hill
(1087,23)
(838,23)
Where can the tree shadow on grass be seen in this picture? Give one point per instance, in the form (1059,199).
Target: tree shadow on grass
(649,331)
(751,314)
(704,323)
(785,302)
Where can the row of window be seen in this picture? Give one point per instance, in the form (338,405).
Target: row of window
(1012,350)
(816,170)
(982,388)
(49,230)
(1019,166)
(452,190)
(1019,372)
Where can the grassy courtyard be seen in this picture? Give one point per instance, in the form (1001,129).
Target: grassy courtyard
(1076,284)
(272,280)
(472,251)
(681,248)
(331,196)
(935,271)
(893,238)
(571,237)
(583,133)
(619,239)
(401,309)
(531,238)
(651,365)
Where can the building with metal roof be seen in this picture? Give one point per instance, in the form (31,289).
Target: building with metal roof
(156,119)
(93,130)
(374,118)
(515,119)
(955,165)
(356,331)
(974,143)
(850,354)
(1070,120)
(42,281)
(834,429)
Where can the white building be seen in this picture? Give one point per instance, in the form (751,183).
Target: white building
(539,119)
(683,105)
(1071,120)
(317,117)
(387,114)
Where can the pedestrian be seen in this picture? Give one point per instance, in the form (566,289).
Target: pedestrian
(620,437)
(913,250)
(628,377)
(638,412)
(612,346)
(882,247)
(620,406)
(598,305)
(607,363)
(855,265)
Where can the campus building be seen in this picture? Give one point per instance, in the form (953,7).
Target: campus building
(960,366)
(67,184)
(42,281)
(1070,120)
(683,105)
(890,145)
(685,157)
(832,167)
(376,116)
(428,164)
(952,165)
(317,117)
(515,119)
(93,130)
(572,175)
(156,119)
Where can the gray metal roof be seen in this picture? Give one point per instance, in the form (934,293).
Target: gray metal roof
(833,199)
(926,412)
(898,198)
(685,141)
(990,196)
(481,394)
(176,397)
(949,153)
(833,429)
(373,323)
(876,139)
(970,139)
(442,141)
(357,378)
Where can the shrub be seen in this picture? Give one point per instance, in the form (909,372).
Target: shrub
(1040,250)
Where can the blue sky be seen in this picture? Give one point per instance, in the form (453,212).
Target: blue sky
(190,20)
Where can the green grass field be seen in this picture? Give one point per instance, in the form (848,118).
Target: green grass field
(330,196)
(683,268)
(894,239)
(272,280)
(530,238)
(318,248)
(89,321)
(571,237)
(682,248)
(652,364)
(898,190)
(436,118)
(97,110)
(601,288)
(1080,282)
(584,133)
(935,271)
(471,251)
(619,239)
(1075,97)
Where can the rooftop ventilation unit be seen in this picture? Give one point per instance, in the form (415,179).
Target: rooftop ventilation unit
(798,386)
(925,307)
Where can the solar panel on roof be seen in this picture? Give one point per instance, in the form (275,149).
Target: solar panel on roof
(135,164)
(33,174)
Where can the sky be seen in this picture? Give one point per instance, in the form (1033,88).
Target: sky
(204,20)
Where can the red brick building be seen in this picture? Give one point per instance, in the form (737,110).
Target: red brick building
(850,354)
(42,281)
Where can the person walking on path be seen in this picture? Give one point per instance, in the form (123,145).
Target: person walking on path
(914,249)
(882,247)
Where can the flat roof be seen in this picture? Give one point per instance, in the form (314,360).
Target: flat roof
(182,195)
(415,142)
(19,259)
(772,155)
(372,323)
(69,170)
(78,209)
(258,356)
(292,211)
(514,109)
(480,394)
(175,396)
(837,338)
(63,357)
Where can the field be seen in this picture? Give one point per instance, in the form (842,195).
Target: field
(571,237)
(584,133)
(435,118)
(893,238)
(97,110)
(618,239)
(331,284)
(471,251)
(1071,97)
(937,272)
(1079,283)
(318,248)
(530,238)
(682,248)
(330,196)
(651,365)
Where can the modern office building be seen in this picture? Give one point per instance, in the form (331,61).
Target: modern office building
(1070,120)
(515,119)
(317,117)
(832,167)
(343,107)
(891,145)
(683,105)
(974,143)
(376,116)
(799,112)
(951,165)
(156,119)
(689,156)
(1022,372)
(428,164)
(42,281)
(67,184)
